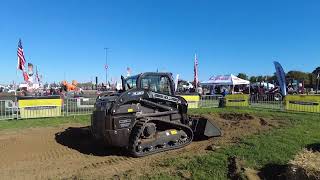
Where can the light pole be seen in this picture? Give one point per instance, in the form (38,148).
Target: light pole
(106,66)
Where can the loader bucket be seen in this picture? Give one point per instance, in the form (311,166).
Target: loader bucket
(203,128)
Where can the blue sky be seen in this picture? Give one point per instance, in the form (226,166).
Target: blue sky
(66,38)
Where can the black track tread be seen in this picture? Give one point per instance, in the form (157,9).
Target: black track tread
(137,131)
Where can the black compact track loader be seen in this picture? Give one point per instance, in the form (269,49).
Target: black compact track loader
(146,117)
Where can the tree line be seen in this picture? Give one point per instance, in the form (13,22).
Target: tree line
(309,78)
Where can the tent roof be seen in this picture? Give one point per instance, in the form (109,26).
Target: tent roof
(225,80)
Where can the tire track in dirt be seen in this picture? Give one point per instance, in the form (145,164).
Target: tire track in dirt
(35,154)
(106,167)
(38,155)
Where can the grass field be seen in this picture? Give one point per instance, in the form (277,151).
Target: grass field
(43,122)
(266,152)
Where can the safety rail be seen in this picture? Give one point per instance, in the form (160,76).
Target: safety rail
(209,101)
(78,106)
(84,106)
(266,101)
(8,110)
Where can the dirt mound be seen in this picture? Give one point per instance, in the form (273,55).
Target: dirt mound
(234,126)
(236,116)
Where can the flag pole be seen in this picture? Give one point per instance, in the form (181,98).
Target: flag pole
(195,71)
(106,66)
(14,84)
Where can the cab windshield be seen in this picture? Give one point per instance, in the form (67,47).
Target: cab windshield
(130,82)
(155,83)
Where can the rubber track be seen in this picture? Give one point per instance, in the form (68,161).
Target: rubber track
(138,129)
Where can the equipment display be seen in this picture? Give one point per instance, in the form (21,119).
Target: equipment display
(146,117)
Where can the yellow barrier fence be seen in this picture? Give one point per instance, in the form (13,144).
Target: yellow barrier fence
(34,108)
(238,100)
(307,103)
(193,100)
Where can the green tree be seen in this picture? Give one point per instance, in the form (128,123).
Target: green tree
(299,75)
(314,75)
(272,78)
(253,79)
(261,78)
(316,71)
(242,76)
(257,78)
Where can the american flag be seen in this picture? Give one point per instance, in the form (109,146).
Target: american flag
(21,59)
(25,76)
(195,69)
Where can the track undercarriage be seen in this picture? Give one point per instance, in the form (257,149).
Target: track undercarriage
(166,136)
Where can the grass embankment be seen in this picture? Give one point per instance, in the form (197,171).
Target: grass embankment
(267,152)
(43,122)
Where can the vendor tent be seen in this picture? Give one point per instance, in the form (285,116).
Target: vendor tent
(230,80)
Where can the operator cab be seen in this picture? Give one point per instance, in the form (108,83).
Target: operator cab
(156,82)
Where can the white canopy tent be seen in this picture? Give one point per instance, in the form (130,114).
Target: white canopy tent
(230,80)
(225,80)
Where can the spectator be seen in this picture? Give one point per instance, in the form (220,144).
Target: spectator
(224,92)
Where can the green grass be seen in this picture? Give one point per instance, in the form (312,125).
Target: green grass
(277,146)
(43,122)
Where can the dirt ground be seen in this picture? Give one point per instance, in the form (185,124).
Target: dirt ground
(68,152)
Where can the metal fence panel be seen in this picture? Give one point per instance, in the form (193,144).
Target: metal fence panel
(7,109)
(255,101)
(85,106)
(208,101)
(78,106)
(266,101)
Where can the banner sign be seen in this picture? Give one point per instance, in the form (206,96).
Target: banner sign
(40,107)
(193,100)
(237,100)
(281,77)
(307,103)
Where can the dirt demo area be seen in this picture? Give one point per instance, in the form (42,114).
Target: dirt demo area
(68,151)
